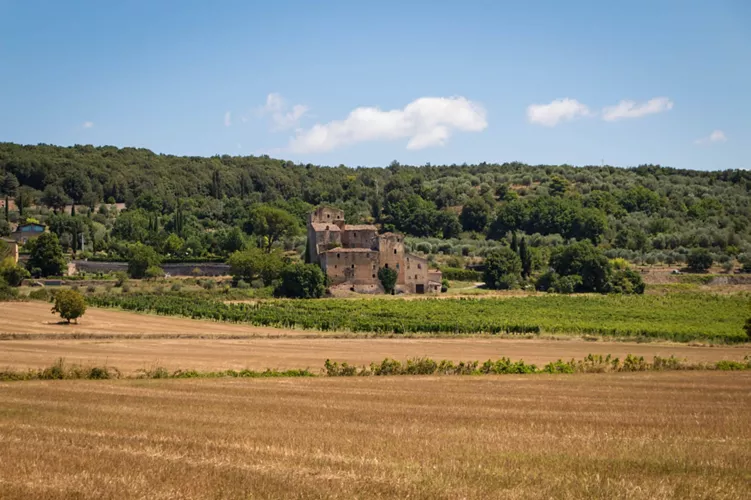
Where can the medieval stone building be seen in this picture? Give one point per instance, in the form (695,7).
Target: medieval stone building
(352,255)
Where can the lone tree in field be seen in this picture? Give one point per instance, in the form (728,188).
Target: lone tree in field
(388,277)
(69,304)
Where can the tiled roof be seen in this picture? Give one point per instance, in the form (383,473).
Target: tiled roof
(322,226)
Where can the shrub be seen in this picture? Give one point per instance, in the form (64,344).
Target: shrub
(91,289)
(503,268)
(69,304)
(242,285)
(452,273)
(153,272)
(445,285)
(208,284)
(126,288)
(6,292)
(699,260)
(12,273)
(40,294)
(121,277)
(388,277)
(626,281)
(302,281)
(176,287)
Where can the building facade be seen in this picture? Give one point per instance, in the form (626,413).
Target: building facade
(352,255)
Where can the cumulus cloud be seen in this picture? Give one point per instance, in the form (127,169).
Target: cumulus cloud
(556,111)
(632,109)
(425,122)
(715,137)
(87,124)
(282,115)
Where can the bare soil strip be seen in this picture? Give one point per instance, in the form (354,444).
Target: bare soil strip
(648,435)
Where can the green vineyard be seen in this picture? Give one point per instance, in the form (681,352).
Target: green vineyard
(679,317)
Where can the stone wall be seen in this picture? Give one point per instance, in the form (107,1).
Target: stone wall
(179,269)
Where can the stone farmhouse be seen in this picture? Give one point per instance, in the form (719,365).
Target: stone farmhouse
(351,255)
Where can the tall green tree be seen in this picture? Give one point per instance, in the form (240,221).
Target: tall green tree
(46,256)
(503,268)
(270,225)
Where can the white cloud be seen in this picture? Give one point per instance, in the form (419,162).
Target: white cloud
(88,124)
(282,116)
(715,137)
(426,122)
(558,110)
(631,109)
(228,119)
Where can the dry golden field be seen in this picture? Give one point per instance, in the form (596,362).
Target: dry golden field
(130,355)
(645,435)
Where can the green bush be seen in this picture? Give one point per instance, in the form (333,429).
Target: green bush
(12,273)
(121,277)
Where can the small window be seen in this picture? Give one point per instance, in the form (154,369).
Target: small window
(327,228)
(328,216)
(338,256)
(419,266)
(353,266)
(354,235)
(394,251)
(415,276)
(386,266)
(374,275)
(397,265)
(335,267)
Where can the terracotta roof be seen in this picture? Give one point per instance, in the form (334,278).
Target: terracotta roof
(322,226)
(360,227)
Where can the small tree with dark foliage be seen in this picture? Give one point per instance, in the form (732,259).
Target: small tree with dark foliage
(699,260)
(301,281)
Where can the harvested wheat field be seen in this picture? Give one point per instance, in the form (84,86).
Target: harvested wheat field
(646,435)
(34,319)
(130,355)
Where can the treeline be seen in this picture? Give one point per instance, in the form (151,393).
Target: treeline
(194,206)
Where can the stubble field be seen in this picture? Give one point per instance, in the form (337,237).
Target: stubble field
(646,435)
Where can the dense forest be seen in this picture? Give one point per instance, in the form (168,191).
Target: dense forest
(207,207)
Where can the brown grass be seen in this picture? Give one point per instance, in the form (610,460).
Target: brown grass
(292,353)
(657,435)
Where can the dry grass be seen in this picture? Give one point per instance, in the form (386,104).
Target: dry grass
(657,435)
(291,353)
(35,318)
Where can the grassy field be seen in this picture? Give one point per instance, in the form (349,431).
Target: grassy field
(655,435)
(678,316)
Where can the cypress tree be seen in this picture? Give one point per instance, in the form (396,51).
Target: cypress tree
(526,258)
(514,243)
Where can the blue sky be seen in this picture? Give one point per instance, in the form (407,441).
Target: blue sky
(365,83)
